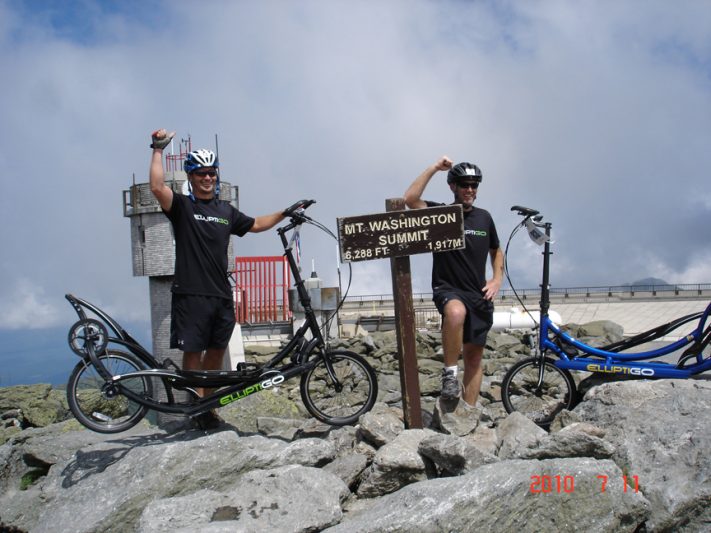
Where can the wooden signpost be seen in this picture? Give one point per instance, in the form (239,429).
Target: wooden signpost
(396,235)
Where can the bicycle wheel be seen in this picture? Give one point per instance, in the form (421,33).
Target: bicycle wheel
(105,409)
(520,391)
(355,396)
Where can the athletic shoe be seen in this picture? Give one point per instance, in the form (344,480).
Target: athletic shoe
(209,420)
(450,385)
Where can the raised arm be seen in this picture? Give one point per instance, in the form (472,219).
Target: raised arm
(413,195)
(163,193)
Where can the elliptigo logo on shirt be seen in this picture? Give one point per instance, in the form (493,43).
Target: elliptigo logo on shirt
(475,232)
(203,218)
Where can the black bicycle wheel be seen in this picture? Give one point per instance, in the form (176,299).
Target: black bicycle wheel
(105,409)
(356,395)
(520,391)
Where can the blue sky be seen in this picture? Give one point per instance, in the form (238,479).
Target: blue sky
(597,113)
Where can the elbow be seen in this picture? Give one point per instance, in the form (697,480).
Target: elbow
(157,189)
(411,201)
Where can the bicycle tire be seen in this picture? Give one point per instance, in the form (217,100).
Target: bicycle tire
(520,391)
(102,412)
(357,396)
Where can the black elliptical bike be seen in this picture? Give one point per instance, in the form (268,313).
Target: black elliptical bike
(118,381)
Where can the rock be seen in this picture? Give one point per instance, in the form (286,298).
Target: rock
(517,435)
(504,474)
(280,428)
(569,444)
(661,431)
(455,417)
(453,456)
(604,331)
(348,468)
(500,497)
(396,464)
(273,403)
(257,500)
(34,405)
(381,425)
(108,484)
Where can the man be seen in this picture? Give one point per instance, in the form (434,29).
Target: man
(461,292)
(202,310)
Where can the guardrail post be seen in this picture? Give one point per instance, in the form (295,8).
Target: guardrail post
(405,329)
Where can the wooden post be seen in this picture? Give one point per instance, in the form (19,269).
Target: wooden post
(405,328)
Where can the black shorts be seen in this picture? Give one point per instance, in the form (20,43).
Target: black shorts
(200,322)
(480,314)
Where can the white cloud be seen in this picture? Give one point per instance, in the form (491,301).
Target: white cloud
(598,114)
(26,306)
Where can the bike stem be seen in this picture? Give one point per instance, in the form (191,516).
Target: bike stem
(544,303)
(545,283)
(304,298)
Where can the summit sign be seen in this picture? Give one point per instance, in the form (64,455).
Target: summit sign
(401,233)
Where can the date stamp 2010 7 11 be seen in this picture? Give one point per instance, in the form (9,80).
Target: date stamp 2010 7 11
(557,484)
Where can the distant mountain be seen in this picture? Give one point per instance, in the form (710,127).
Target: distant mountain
(648,281)
(648,284)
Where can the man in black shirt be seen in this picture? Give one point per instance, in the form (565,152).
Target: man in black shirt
(460,289)
(202,310)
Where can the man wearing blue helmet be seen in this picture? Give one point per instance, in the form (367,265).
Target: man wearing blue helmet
(461,292)
(202,311)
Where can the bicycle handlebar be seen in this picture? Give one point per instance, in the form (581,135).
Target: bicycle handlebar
(298,208)
(524,211)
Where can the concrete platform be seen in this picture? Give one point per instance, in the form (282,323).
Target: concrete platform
(634,316)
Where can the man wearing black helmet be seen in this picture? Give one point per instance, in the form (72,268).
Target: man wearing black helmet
(461,292)
(202,310)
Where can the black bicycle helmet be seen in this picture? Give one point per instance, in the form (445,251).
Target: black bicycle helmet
(464,172)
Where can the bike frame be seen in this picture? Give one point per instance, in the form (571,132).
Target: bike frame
(609,359)
(233,385)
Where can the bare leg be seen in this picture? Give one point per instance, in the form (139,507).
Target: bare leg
(473,373)
(452,331)
(211,360)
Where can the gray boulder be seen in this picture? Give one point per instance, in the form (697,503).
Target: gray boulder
(109,484)
(396,464)
(502,497)
(661,431)
(272,499)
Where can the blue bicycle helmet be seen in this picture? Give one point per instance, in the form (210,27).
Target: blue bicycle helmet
(200,159)
(464,172)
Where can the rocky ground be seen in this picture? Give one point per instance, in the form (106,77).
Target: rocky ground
(632,456)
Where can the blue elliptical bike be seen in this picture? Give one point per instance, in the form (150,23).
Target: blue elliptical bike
(541,386)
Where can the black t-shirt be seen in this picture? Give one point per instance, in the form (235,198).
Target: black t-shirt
(465,270)
(202,232)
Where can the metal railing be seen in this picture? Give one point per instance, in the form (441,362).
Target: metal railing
(678,289)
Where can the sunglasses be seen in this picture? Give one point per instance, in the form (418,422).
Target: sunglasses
(203,173)
(473,186)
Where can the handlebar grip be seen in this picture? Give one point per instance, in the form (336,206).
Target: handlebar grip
(301,204)
(524,211)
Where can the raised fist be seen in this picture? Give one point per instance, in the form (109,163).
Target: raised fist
(161,138)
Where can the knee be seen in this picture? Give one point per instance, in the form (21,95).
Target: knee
(472,354)
(455,312)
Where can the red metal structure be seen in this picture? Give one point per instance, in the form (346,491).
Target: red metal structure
(174,162)
(262,289)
